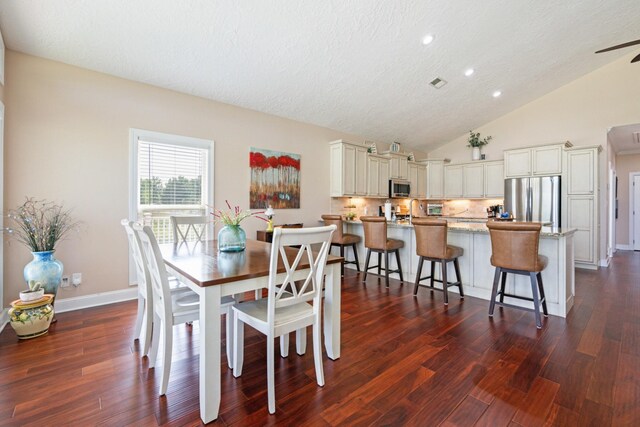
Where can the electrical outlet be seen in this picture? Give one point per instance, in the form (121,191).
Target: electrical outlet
(65,282)
(76,279)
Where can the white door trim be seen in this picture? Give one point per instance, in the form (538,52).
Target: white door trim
(632,232)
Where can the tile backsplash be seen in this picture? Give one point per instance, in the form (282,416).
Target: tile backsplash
(463,208)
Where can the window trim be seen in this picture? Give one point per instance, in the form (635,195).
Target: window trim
(136,135)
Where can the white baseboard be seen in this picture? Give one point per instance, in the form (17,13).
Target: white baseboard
(605,262)
(4,318)
(624,247)
(94,300)
(587,266)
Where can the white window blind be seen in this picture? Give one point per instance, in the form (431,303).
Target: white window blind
(171,175)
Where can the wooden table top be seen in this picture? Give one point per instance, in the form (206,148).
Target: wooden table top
(202,263)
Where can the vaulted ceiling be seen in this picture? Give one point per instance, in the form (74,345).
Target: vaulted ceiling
(356,66)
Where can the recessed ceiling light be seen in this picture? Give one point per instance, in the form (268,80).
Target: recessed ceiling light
(497,94)
(427,39)
(469,72)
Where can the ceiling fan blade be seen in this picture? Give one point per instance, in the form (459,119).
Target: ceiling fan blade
(636,59)
(620,46)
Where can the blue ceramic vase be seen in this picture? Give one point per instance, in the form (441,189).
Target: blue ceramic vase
(45,269)
(232,238)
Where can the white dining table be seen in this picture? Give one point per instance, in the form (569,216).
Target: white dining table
(213,275)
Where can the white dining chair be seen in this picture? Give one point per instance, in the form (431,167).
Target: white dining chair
(169,309)
(292,304)
(183,225)
(144,318)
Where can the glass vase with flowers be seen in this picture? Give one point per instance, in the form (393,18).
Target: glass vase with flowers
(231,237)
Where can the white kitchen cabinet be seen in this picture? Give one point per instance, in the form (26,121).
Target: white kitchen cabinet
(517,163)
(435,179)
(473,177)
(418,179)
(421,192)
(581,217)
(544,160)
(581,167)
(582,213)
(399,164)
(347,169)
(494,179)
(547,160)
(377,176)
(453,181)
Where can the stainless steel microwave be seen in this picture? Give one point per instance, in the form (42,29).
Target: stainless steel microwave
(399,188)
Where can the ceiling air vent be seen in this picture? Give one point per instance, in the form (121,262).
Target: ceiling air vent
(636,137)
(438,82)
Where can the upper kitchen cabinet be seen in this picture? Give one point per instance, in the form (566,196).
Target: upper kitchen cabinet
(435,179)
(517,163)
(377,176)
(348,169)
(453,181)
(581,168)
(536,161)
(547,160)
(473,178)
(418,180)
(494,179)
(399,164)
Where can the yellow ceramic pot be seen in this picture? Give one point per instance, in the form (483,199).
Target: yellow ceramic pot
(31,319)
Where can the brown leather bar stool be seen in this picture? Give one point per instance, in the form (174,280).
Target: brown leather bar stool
(514,248)
(375,240)
(431,245)
(341,240)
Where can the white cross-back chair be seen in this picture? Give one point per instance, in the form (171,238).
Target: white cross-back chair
(169,310)
(293,302)
(183,225)
(144,318)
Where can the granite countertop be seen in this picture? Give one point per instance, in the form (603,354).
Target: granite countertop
(470,227)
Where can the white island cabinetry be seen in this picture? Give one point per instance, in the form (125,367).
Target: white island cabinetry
(475,264)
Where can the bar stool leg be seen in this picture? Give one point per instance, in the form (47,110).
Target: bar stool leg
(366,265)
(544,299)
(433,272)
(418,273)
(399,265)
(343,260)
(504,282)
(445,285)
(457,267)
(355,256)
(536,299)
(386,269)
(379,262)
(494,291)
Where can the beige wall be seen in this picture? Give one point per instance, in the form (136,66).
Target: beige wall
(624,166)
(67,136)
(580,112)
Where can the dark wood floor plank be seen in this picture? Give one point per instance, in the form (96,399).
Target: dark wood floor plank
(405,361)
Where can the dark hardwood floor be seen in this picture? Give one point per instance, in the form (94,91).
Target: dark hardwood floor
(405,361)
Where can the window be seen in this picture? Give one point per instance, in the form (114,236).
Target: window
(170,175)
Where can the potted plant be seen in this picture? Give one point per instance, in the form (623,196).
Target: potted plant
(475,142)
(40,225)
(231,237)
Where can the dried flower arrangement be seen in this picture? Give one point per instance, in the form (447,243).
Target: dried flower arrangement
(40,224)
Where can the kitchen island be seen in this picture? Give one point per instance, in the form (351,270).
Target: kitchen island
(475,265)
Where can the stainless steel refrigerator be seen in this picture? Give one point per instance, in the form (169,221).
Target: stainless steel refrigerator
(533,199)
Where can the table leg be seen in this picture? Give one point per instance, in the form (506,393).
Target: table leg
(209,353)
(332,311)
